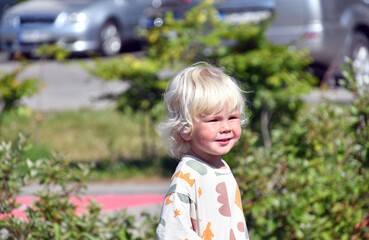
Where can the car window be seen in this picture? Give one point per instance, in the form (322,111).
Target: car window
(289,12)
(5,4)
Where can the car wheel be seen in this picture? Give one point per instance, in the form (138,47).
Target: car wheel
(110,39)
(360,57)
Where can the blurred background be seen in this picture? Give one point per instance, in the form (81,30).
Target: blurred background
(82,80)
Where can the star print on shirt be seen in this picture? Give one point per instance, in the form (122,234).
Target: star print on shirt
(167,200)
(177,213)
(184,176)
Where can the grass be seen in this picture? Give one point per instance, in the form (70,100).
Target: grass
(112,140)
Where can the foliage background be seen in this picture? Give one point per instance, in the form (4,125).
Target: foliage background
(302,168)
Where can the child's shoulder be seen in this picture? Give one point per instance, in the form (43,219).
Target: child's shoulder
(192,162)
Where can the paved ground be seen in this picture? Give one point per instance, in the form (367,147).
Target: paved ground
(336,95)
(105,188)
(65,86)
(69,87)
(135,196)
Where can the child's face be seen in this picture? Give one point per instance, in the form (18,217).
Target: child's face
(214,135)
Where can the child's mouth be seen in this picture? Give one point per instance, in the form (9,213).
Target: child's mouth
(224,141)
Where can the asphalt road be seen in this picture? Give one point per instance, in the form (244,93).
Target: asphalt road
(150,186)
(129,188)
(66,86)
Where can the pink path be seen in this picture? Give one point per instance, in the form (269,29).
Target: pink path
(108,202)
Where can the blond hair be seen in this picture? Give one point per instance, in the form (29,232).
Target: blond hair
(194,91)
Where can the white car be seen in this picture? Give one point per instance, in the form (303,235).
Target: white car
(76,25)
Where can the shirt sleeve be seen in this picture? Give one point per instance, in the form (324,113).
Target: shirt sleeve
(175,220)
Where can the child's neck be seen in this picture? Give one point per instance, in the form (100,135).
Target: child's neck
(215,162)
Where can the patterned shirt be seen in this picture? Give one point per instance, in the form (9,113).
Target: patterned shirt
(203,202)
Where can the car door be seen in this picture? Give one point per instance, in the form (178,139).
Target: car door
(132,11)
(289,21)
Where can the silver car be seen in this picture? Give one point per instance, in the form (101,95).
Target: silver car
(330,29)
(4,5)
(76,25)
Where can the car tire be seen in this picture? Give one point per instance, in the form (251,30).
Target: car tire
(110,39)
(359,53)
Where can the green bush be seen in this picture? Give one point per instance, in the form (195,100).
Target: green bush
(12,90)
(313,182)
(52,214)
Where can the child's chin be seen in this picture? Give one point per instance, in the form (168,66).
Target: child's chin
(224,152)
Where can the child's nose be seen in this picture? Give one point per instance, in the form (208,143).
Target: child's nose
(225,127)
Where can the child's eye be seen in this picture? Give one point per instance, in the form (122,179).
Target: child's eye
(233,118)
(213,120)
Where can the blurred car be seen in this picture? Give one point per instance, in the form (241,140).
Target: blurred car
(4,5)
(330,29)
(76,25)
(234,11)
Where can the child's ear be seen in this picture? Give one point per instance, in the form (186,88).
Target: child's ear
(185,136)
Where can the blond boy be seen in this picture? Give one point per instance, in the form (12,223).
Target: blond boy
(205,113)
